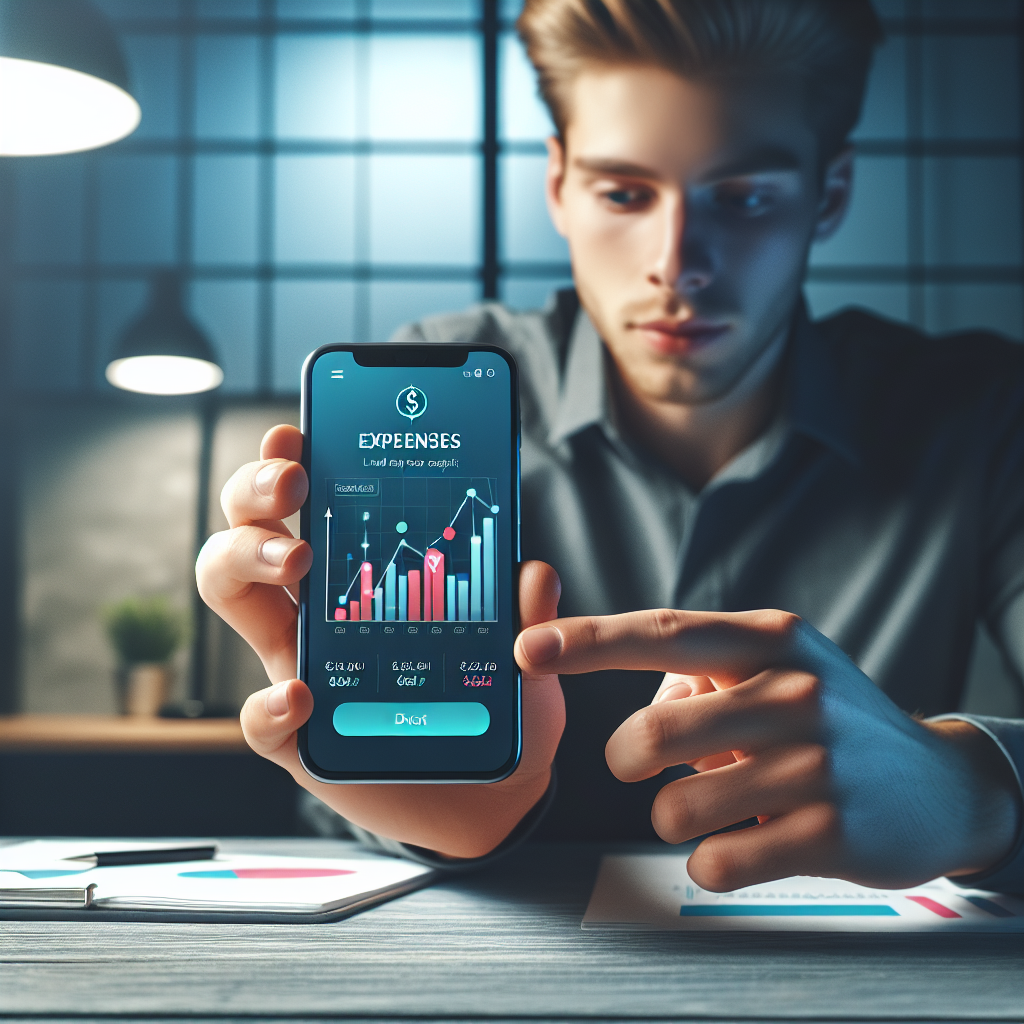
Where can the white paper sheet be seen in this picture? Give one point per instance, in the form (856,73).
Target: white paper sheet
(235,882)
(654,892)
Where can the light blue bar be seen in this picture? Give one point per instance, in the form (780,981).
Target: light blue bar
(378,605)
(797,910)
(463,585)
(389,592)
(489,570)
(448,718)
(403,598)
(452,610)
(474,578)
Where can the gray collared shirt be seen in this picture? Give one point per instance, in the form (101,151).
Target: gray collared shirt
(884,504)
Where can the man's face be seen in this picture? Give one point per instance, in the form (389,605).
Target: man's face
(689,210)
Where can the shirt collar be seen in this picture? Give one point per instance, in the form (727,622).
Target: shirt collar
(814,402)
(583,400)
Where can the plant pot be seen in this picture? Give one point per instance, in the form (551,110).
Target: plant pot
(143,688)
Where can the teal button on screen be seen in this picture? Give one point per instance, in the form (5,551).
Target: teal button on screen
(430,719)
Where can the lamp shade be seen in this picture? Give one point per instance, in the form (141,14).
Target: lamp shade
(63,79)
(164,352)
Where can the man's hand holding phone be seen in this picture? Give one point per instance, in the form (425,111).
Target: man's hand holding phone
(242,575)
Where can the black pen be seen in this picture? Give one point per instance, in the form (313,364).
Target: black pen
(164,855)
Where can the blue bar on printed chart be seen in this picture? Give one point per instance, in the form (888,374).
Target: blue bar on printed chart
(463,583)
(788,910)
(453,611)
(474,579)
(489,594)
(389,592)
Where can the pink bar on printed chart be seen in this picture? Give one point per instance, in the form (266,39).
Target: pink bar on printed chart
(366,591)
(935,908)
(339,614)
(414,595)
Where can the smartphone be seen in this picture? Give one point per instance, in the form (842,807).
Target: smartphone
(408,616)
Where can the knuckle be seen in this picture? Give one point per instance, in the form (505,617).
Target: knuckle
(666,624)
(803,689)
(647,734)
(785,628)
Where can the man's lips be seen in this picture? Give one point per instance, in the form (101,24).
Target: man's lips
(677,337)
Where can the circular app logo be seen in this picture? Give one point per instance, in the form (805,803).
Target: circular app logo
(411,402)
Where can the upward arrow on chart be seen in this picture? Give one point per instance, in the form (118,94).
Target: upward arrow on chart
(327,568)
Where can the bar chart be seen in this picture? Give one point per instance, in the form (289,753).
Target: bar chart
(412,549)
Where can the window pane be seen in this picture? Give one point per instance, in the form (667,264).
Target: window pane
(875,229)
(973,211)
(225,209)
(527,234)
(140,8)
(317,8)
(153,65)
(226,310)
(315,87)
(425,209)
(523,115)
(47,329)
(890,300)
(307,314)
(531,293)
(227,87)
(229,8)
(315,209)
(408,10)
(998,307)
(972,87)
(425,87)
(136,212)
(394,303)
(885,105)
(48,208)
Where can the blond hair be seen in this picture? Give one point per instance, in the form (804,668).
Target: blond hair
(825,46)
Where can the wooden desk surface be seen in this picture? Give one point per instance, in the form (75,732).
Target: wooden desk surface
(120,734)
(503,943)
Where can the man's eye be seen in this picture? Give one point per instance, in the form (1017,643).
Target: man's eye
(624,197)
(749,202)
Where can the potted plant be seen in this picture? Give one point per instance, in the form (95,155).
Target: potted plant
(145,632)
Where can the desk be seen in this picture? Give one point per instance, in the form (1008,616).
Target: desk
(503,943)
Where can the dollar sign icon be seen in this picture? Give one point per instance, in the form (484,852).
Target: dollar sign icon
(411,402)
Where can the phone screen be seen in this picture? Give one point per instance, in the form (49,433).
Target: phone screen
(409,612)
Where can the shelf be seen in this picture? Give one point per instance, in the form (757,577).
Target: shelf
(116,734)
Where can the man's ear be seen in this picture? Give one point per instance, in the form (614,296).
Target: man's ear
(836,191)
(553,181)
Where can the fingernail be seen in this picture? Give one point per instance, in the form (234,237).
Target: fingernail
(266,478)
(677,691)
(541,645)
(275,550)
(277,700)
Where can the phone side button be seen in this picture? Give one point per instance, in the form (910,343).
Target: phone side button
(436,718)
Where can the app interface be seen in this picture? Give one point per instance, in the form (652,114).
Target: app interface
(414,533)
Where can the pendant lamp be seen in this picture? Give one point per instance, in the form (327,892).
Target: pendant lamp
(63,79)
(163,351)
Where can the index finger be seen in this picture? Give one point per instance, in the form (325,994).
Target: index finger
(725,646)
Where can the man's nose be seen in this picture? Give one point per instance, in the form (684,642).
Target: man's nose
(681,262)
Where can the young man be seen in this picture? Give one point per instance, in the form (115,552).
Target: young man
(694,445)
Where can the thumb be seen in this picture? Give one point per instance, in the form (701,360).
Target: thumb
(539,591)
(270,718)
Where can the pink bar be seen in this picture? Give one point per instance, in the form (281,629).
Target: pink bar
(339,614)
(355,611)
(433,584)
(935,908)
(366,591)
(414,595)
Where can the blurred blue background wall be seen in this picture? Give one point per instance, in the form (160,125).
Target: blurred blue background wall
(319,170)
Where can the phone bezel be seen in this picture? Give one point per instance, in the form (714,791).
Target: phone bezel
(392,354)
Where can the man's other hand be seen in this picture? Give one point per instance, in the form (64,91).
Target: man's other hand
(782,726)
(242,575)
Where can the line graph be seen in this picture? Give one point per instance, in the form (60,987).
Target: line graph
(412,549)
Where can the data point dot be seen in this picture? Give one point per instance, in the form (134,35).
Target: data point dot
(402,527)
(471,493)
(448,533)
(494,509)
